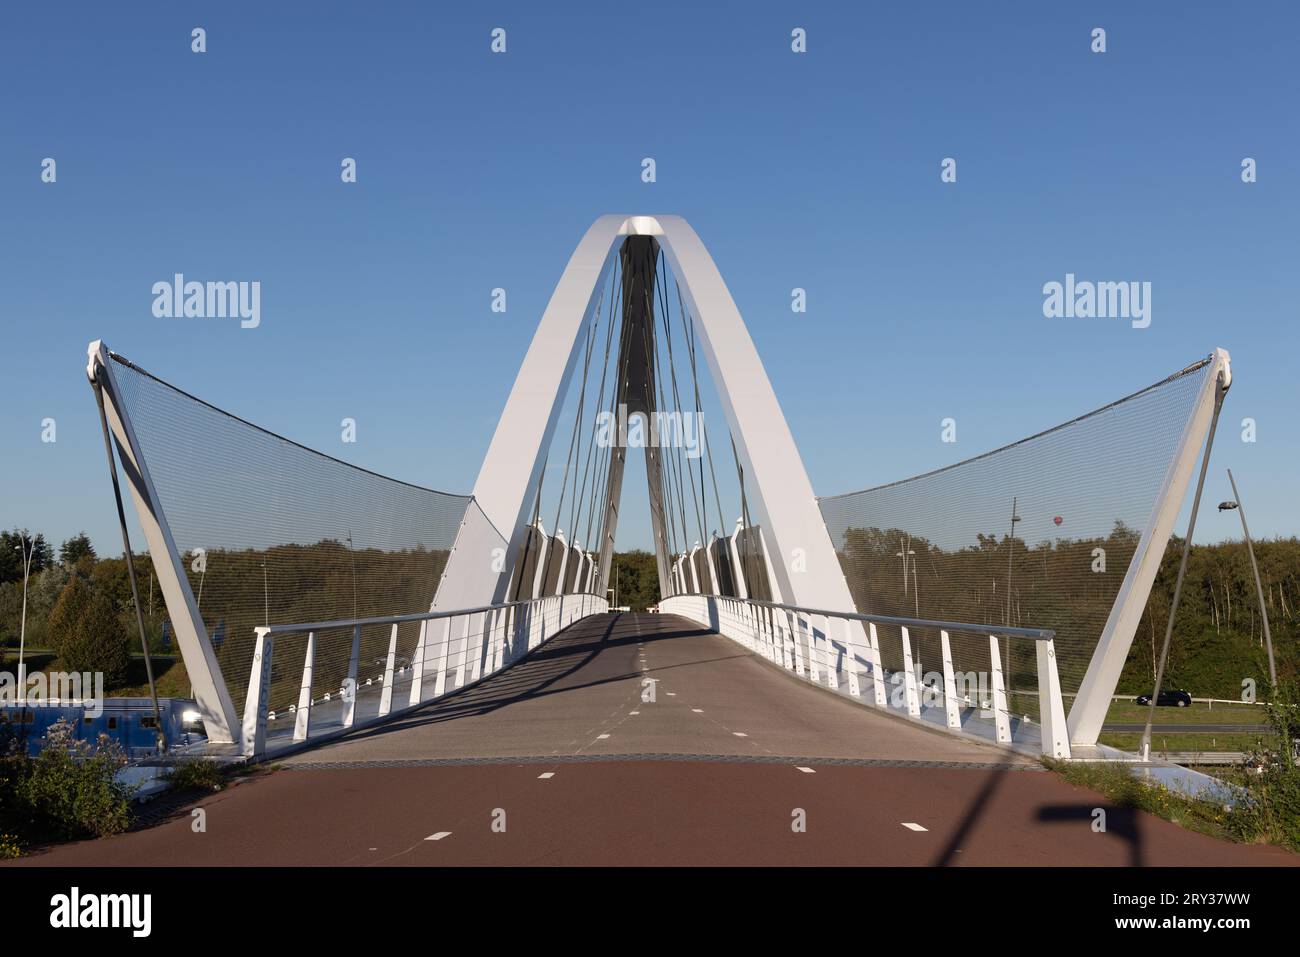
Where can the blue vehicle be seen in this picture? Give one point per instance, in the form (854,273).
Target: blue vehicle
(128,721)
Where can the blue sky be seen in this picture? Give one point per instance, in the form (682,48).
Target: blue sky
(475,171)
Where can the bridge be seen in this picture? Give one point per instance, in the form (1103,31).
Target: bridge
(923,642)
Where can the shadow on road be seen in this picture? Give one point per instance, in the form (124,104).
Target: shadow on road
(538,675)
(1120,822)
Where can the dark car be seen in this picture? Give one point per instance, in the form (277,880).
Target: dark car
(1168,699)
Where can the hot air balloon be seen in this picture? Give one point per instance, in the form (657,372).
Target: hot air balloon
(1058,520)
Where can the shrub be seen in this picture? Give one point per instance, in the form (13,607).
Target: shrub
(1275,787)
(196,774)
(69,790)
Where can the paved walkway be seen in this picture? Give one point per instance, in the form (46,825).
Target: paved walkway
(560,761)
(581,696)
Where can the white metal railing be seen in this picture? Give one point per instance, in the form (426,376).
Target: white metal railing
(789,637)
(455,649)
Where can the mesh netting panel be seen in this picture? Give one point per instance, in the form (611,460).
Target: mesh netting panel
(1086,485)
(288,534)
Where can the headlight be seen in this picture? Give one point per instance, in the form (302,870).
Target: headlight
(190,717)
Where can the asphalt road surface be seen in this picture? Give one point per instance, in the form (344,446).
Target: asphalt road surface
(568,759)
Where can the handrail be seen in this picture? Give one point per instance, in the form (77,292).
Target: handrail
(506,631)
(793,641)
(1007,631)
(294,628)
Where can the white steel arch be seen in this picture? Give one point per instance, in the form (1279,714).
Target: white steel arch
(806,569)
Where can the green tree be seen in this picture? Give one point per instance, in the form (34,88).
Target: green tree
(99,642)
(68,611)
(13,545)
(76,548)
(637,574)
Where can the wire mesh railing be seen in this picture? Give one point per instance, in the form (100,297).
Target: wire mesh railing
(879,660)
(452,649)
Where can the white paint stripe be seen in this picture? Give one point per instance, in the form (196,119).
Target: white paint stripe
(698,710)
(740,734)
(634,712)
(914,827)
(601,737)
(439,836)
(807,770)
(545,775)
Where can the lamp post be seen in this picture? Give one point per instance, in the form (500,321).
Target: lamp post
(1259,585)
(27,551)
(1011,551)
(916,586)
(905,549)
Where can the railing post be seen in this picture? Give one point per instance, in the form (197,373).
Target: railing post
(253,735)
(480,647)
(302,717)
(350,688)
(795,661)
(1051,707)
(877,669)
(464,652)
(829,658)
(850,659)
(1001,720)
(949,683)
(910,695)
(511,637)
(444,651)
(499,619)
(814,673)
(417,666)
(386,694)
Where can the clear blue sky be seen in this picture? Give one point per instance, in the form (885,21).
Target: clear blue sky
(818,170)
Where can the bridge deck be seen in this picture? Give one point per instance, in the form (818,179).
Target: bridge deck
(580,697)
(384,795)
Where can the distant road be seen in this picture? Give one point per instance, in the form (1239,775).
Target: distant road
(1191,728)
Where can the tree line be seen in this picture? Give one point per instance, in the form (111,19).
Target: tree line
(1217,643)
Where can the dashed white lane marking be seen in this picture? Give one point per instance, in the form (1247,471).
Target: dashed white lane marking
(671,694)
(740,734)
(698,710)
(913,827)
(807,770)
(634,712)
(439,836)
(545,775)
(601,737)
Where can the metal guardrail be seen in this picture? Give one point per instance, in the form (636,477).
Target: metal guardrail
(489,638)
(787,636)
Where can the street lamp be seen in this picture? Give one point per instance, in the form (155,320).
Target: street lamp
(27,552)
(904,551)
(1259,586)
(916,587)
(1011,551)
